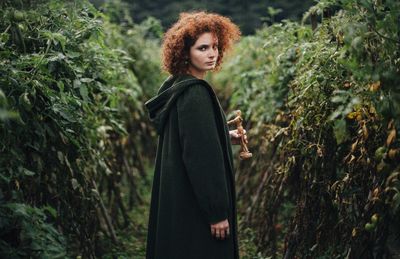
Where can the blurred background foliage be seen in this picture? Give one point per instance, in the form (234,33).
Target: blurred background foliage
(249,15)
(319,94)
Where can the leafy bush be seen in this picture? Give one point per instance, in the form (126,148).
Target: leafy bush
(323,117)
(25,233)
(71,124)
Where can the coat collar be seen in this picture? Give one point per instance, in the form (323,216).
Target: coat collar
(160,105)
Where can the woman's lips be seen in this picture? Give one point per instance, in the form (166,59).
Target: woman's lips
(210,63)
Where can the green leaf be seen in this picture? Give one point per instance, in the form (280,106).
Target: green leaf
(340,130)
(51,211)
(74,183)
(84,92)
(27,172)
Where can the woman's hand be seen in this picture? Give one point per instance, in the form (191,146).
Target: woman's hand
(235,137)
(220,230)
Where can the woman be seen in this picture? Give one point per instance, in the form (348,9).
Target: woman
(193,212)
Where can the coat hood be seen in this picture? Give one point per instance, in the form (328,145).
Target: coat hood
(159,106)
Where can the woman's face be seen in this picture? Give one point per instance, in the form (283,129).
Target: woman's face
(203,54)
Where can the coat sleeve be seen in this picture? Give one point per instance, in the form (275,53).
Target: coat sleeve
(202,152)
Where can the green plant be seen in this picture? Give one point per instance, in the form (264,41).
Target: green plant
(71,124)
(25,233)
(322,117)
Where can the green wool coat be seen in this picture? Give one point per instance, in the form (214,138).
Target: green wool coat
(193,184)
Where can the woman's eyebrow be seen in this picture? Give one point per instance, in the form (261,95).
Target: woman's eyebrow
(206,45)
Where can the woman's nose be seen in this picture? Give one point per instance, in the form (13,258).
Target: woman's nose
(212,53)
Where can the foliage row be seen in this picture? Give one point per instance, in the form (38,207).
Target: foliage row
(323,116)
(71,88)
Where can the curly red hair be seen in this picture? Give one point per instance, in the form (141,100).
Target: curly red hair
(184,33)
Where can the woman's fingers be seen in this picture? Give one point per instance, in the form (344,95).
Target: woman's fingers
(235,134)
(239,135)
(220,233)
(220,230)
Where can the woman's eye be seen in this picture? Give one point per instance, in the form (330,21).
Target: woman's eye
(206,47)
